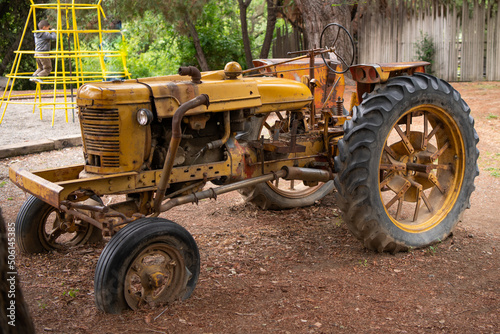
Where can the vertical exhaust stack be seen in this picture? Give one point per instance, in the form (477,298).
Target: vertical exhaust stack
(174,145)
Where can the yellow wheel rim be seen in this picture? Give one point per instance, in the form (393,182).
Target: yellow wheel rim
(294,188)
(421,168)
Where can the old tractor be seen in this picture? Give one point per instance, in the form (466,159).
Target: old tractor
(402,158)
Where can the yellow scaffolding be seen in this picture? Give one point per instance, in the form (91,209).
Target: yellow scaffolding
(64,76)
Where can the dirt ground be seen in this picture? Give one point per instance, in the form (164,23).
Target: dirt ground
(294,271)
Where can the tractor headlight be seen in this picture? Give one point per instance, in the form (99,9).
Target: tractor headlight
(144,117)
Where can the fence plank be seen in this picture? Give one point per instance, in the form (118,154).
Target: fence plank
(467,46)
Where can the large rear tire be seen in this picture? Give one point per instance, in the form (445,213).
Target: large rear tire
(149,261)
(39,228)
(280,194)
(407,164)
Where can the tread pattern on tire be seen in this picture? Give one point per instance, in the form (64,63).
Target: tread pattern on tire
(23,244)
(357,148)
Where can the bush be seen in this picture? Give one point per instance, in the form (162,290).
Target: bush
(425,50)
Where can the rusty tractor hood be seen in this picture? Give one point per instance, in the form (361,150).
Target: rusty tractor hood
(264,94)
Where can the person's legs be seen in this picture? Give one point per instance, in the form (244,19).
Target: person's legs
(39,66)
(46,64)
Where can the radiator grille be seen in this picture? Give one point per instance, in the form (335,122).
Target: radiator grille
(101,131)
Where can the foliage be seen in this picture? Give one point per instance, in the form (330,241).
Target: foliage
(425,50)
(494,171)
(151,46)
(71,293)
(363,262)
(219,31)
(13,15)
(157,40)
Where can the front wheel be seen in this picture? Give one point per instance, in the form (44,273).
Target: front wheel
(149,261)
(407,164)
(40,228)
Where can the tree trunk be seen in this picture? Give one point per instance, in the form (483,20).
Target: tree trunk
(316,14)
(271,23)
(244,31)
(200,55)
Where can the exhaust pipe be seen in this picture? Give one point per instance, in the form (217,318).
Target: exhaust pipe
(287,173)
(307,174)
(193,72)
(174,145)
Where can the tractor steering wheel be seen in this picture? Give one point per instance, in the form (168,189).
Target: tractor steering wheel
(330,37)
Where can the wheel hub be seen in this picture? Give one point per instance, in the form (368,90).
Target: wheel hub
(157,275)
(154,277)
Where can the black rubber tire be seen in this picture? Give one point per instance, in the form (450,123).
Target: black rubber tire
(360,151)
(264,196)
(123,249)
(30,221)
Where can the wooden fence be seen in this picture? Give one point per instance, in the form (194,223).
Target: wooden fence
(466,40)
(286,41)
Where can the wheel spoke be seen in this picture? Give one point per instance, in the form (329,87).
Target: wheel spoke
(341,59)
(406,141)
(387,179)
(438,153)
(54,234)
(336,38)
(426,131)
(391,152)
(433,179)
(399,194)
(419,188)
(394,165)
(400,208)
(433,132)
(417,206)
(427,203)
(279,115)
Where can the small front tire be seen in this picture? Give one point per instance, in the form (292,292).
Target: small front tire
(39,229)
(149,261)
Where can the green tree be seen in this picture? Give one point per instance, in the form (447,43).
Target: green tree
(151,46)
(13,16)
(181,14)
(219,33)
